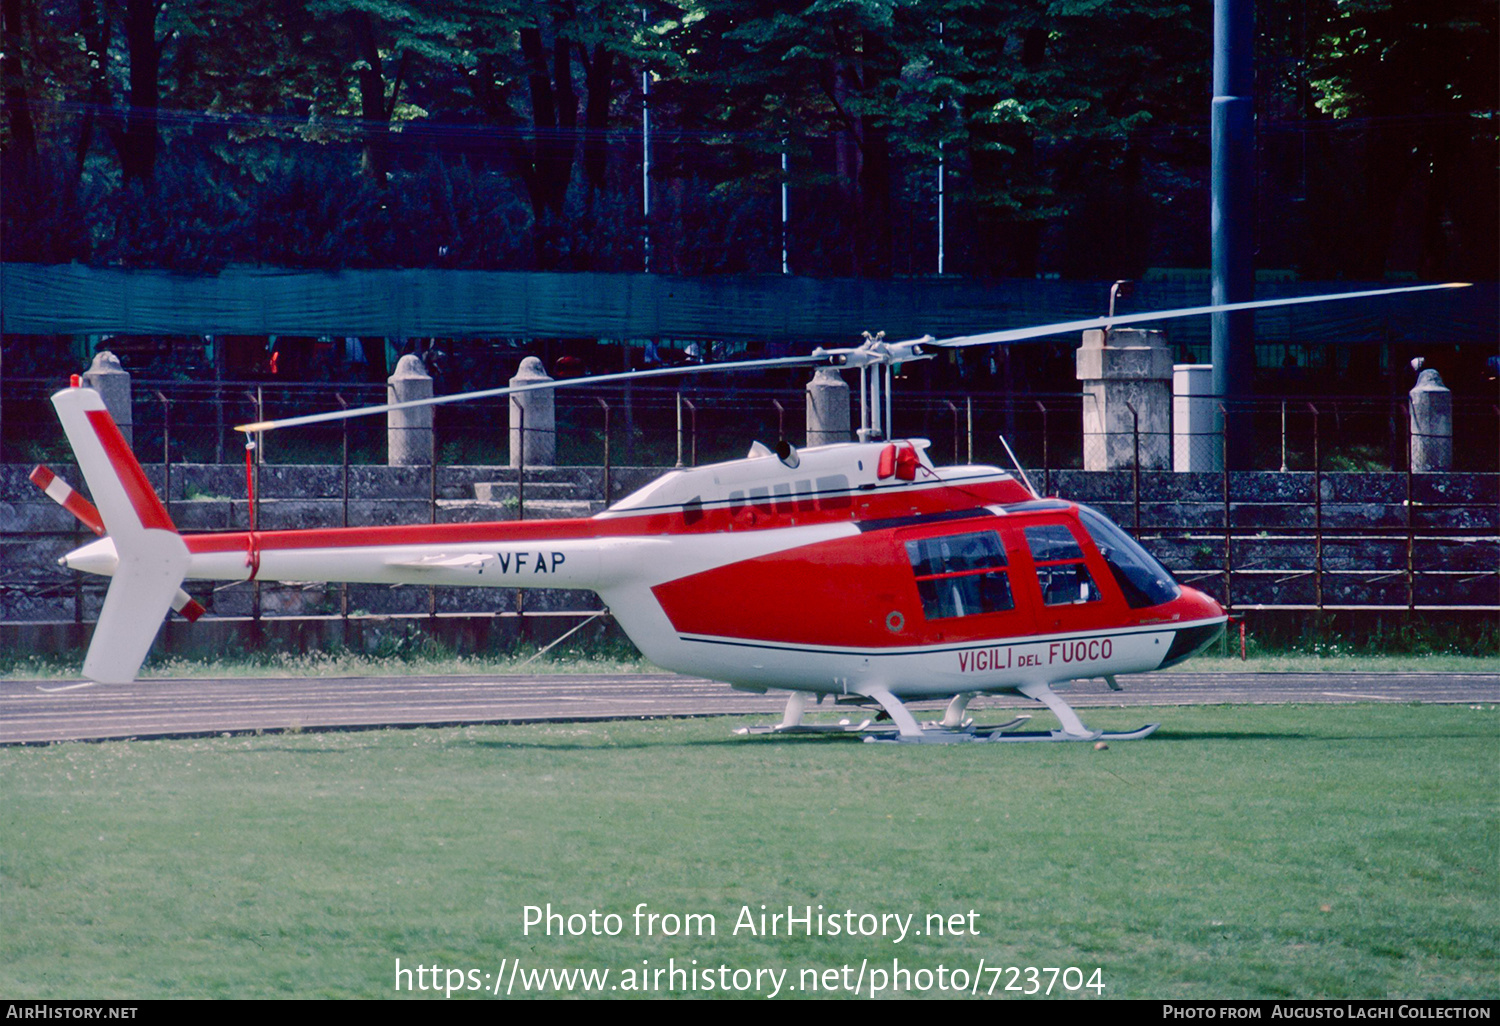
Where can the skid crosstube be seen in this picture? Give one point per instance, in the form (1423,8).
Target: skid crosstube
(1058,735)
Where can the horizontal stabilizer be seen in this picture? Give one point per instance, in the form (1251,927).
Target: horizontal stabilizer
(144,587)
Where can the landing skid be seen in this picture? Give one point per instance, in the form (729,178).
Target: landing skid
(952,727)
(1073,728)
(810,728)
(1058,735)
(932,732)
(937,734)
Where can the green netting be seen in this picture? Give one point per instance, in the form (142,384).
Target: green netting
(73,299)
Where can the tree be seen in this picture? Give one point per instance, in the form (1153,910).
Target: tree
(1421,84)
(524,65)
(1054,101)
(773,80)
(377,45)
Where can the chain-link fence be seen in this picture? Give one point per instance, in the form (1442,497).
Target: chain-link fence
(1332,514)
(184,422)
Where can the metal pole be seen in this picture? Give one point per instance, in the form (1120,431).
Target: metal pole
(939,207)
(166,452)
(692,431)
(521,468)
(864,406)
(629,406)
(432,450)
(1283,436)
(1231,218)
(1224,481)
(344,487)
(1046,462)
(940,176)
(250,489)
(255,499)
(1411,585)
(890,384)
(954,410)
(1135,466)
(344,473)
(260,438)
(679,429)
(1317,509)
(783,207)
(780,420)
(969,407)
(645,162)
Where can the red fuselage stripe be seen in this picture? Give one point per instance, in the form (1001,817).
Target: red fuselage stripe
(142,496)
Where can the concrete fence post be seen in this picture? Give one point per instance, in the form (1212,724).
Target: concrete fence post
(1431,424)
(409,432)
(827,408)
(537,411)
(112,382)
(1195,425)
(1118,369)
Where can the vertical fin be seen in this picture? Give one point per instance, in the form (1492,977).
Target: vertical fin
(153,557)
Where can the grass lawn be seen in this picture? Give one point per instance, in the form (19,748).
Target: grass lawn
(1326,851)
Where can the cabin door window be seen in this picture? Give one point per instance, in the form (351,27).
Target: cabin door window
(961,574)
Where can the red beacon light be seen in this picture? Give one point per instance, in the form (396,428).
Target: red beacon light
(898,461)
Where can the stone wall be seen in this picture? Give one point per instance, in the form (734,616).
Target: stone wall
(1291,535)
(35,532)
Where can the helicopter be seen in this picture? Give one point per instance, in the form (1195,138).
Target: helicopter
(858,571)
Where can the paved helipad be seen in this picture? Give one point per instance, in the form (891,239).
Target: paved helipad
(42,711)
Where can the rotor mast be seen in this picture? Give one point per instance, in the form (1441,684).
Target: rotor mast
(876,359)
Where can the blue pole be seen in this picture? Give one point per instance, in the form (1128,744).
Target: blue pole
(1232,217)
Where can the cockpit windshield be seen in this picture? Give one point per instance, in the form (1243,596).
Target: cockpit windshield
(1144,581)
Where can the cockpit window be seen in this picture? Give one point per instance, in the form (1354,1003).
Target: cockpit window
(1065,584)
(1051,542)
(1060,569)
(960,574)
(1144,581)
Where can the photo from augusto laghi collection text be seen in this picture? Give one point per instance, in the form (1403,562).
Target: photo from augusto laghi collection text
(883,973)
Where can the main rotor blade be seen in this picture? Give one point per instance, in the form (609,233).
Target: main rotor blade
(1065,327)
(988,338)
(599,379)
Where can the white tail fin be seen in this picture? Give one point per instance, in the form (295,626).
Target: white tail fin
(152,556)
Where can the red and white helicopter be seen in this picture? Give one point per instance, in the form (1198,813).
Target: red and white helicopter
(858,570)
